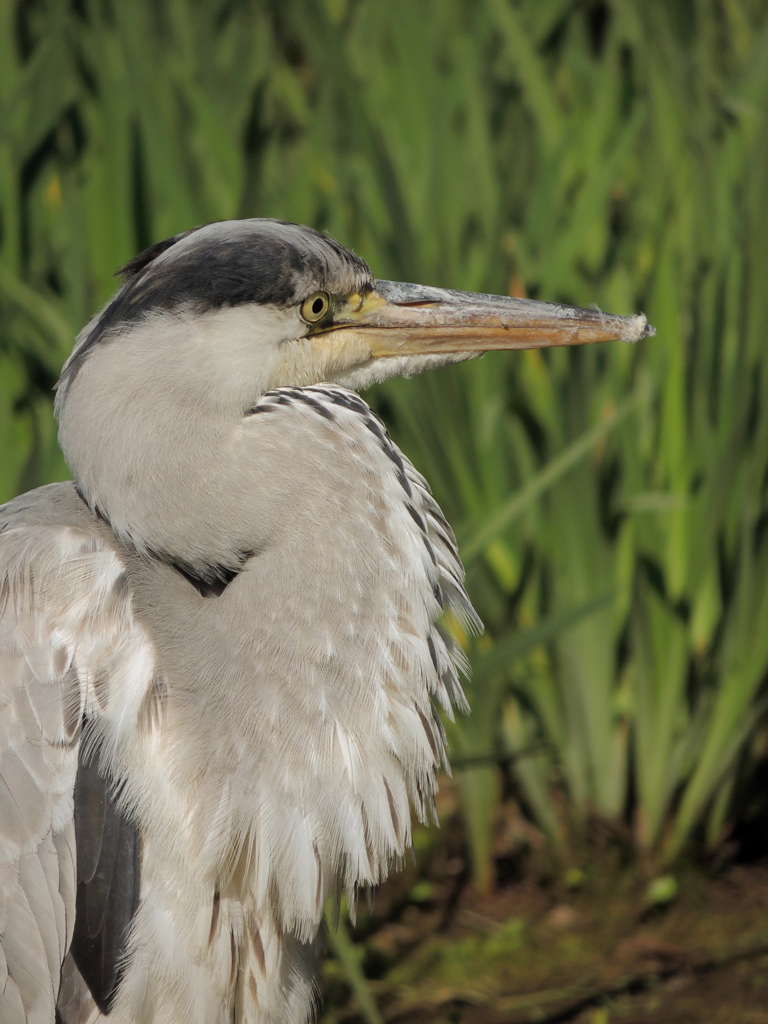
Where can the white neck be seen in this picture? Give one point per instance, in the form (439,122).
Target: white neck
(147,421)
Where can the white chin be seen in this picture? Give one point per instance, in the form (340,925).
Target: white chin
(376,370)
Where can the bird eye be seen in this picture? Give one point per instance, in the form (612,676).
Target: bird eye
(315,307)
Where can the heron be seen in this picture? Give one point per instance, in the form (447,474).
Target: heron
(223,649)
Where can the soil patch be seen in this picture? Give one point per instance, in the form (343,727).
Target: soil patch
(587,946)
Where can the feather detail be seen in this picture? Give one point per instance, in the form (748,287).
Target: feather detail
(267,738)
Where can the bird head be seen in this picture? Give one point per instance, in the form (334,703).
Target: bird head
(152,398)
(256,304)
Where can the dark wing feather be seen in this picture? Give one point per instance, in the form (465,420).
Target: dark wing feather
(64,614)
(108,879)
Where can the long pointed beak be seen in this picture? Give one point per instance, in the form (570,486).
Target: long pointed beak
(397,319)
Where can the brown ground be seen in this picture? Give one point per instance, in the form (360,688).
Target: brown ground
(552,945)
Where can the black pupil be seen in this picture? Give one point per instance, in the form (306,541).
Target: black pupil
(318,305)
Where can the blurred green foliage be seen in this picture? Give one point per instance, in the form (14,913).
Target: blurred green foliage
(610,503)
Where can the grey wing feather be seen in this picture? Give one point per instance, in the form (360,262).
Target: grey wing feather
(108,880)
(54,581)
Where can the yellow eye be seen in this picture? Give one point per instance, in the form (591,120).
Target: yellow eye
(316,307)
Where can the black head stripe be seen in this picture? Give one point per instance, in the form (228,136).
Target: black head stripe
(138,263)
(228,263)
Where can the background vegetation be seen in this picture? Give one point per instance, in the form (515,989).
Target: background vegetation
(610,503)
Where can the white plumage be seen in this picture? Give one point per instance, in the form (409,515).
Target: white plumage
(232,625)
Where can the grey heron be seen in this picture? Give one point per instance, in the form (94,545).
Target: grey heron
(221,655)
